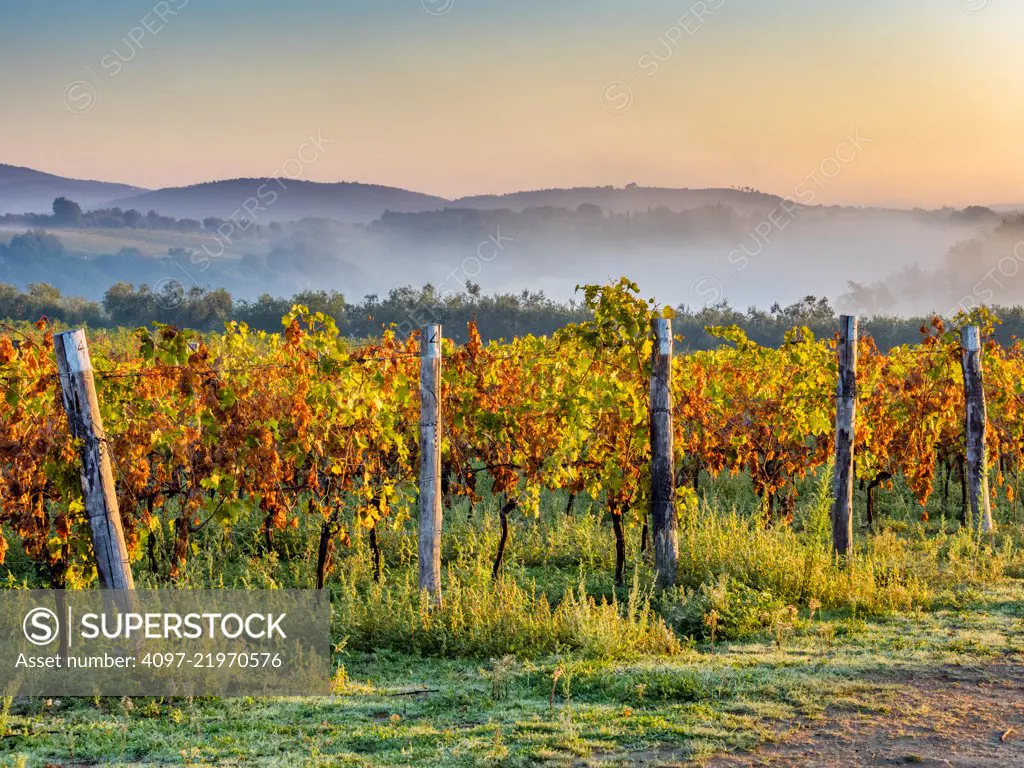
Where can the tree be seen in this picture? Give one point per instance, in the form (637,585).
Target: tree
(203,309)
(974,213)
(330,303)
(126,306)
(66,212)
(34,245)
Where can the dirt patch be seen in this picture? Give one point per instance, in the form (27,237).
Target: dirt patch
(957,716)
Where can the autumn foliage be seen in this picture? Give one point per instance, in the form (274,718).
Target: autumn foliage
(204,429)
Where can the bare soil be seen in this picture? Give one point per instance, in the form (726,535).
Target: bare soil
(957,716)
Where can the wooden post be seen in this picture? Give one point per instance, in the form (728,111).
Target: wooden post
(976,425)
(663,490)
(430,461)
(846,417)
(78,390)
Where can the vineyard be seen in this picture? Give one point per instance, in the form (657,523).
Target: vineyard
(295,459)
(306,427)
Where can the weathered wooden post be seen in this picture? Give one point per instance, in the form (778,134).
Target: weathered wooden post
(430,461)
(846,417)
(663,490)
(976,425)
(78,390)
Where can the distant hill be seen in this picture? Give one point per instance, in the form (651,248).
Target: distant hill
(620,200)
(23,190)
(283,200)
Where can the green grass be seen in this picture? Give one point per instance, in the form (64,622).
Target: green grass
(501,712)
(553,663)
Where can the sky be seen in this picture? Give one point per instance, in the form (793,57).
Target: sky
(906,103)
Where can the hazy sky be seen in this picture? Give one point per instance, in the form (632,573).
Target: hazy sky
(459,97)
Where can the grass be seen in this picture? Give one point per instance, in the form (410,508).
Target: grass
(502,712)
(553,664)
(104,241)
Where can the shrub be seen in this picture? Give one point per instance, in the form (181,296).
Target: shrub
(740,610)
(481,618)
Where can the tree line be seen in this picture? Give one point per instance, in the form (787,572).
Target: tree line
(68,213)
(497,315)
(586,221)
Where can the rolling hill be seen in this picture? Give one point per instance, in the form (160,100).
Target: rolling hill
(620,200)
(24,190)
(283,200)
